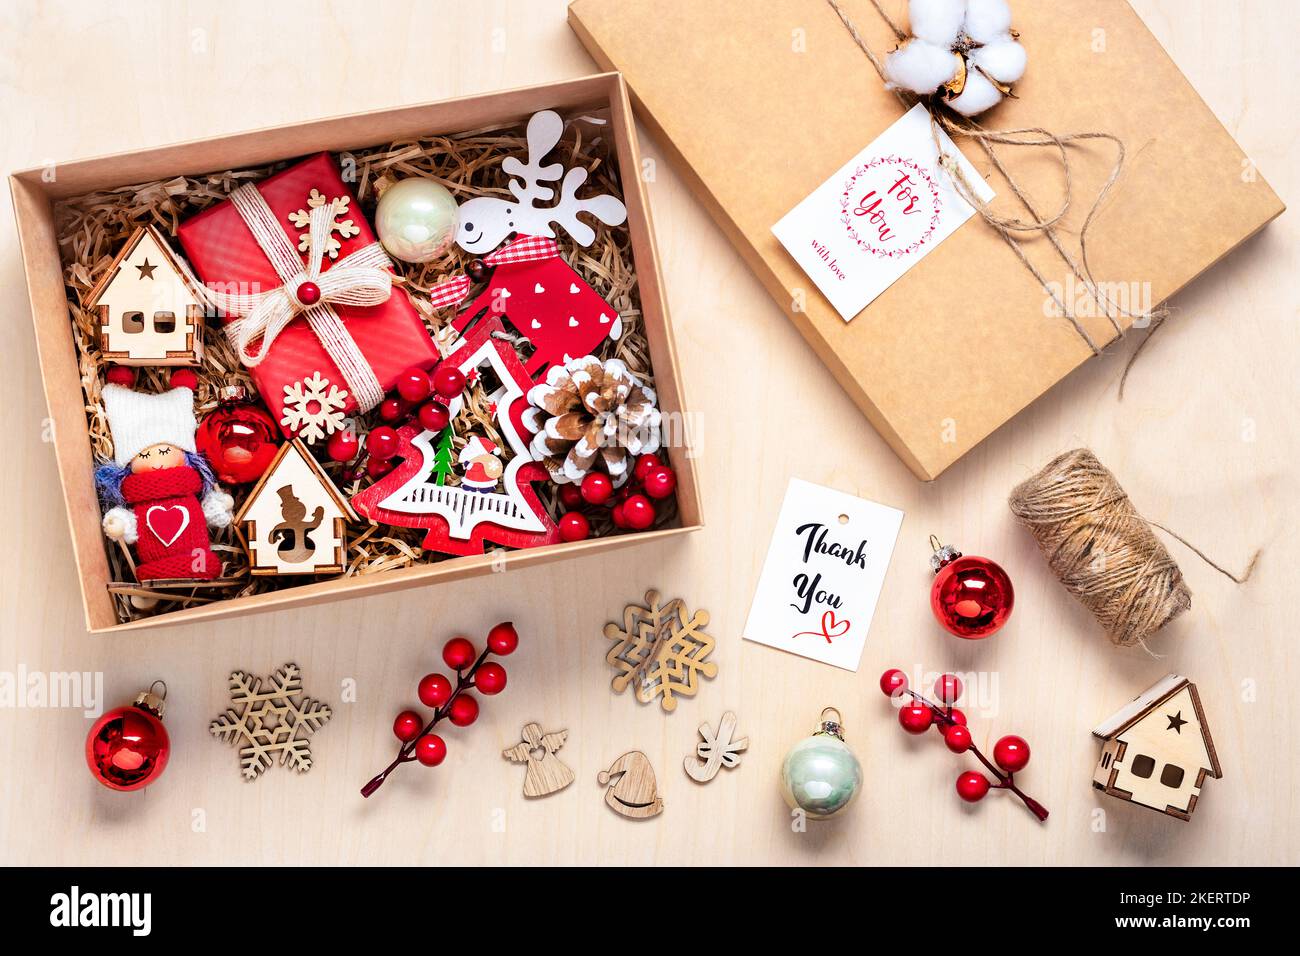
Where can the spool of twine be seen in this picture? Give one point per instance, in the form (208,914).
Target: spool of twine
(1102,549)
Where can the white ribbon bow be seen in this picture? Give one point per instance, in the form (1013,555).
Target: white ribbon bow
(360,279)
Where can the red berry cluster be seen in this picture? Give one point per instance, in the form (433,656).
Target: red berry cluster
(420,396)
(629,506)
(473,671)
(1011,753)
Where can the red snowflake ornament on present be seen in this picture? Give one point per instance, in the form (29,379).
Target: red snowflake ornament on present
(461,520)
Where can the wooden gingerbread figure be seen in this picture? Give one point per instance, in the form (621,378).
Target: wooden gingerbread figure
(161,493)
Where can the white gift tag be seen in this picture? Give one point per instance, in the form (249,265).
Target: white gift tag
(881,213)
(823,573)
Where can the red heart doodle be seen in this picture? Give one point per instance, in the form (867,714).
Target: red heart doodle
(830,628)
(167,523)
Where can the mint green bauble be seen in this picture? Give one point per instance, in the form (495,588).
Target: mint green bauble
(416,219)
(820,774)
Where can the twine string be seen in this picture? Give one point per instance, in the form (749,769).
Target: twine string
(942,118)
(1103,550)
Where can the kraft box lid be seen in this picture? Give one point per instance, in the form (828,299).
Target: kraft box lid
(759,103)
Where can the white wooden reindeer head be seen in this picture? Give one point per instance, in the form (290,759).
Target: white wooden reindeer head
(486,220)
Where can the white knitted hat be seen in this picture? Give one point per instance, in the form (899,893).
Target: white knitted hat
(138,420)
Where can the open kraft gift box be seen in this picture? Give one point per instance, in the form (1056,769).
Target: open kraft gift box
(35,193)
(759,103)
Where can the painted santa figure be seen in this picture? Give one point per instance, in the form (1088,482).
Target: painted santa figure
(482,466)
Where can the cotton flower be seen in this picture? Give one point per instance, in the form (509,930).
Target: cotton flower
(964,48)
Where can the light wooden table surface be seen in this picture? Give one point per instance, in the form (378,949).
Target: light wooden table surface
(1206,441)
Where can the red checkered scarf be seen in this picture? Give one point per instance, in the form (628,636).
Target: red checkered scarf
(524,249)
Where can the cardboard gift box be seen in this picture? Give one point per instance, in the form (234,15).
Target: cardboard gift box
(759,103)
(34,196)
(390,336)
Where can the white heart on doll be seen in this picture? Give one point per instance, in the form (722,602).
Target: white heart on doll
(181,525)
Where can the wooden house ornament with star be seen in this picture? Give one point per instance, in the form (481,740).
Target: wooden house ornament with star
(1157,750)
(149,313)
(294,521)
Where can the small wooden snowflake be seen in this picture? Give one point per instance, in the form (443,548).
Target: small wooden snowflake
(660,649)
(345,228)
(271,723)
(313,408)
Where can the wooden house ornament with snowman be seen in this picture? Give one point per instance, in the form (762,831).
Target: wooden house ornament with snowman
(1157,750)
(149,313)
(294,521)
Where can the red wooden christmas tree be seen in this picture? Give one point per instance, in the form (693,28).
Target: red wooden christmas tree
(460,520)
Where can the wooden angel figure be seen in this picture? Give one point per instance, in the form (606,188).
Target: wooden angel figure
(161,493)
(546,773)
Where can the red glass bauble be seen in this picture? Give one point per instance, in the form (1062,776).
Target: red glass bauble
(433,416)
(503,639)
(464,711)
(596,488)
(431,750)
(238,439)
(574,527)
(660,482)
(915,718)
(342,446)
(972,786)
(448,381)
(893,682)
(434,690)
(414,385)
(490,678)
(407,726)
(971,596)
(1011,753)
(128,747)
(458,653)
(123,375)
(638,512)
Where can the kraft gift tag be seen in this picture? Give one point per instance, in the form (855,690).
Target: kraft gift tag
(823,573)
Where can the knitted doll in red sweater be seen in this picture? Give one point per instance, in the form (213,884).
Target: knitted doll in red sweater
(161,492)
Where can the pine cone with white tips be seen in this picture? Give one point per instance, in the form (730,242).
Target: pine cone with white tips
(592,416)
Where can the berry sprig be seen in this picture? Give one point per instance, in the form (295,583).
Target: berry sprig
(419,742)
(1011,752)
(630,506)
(420,397)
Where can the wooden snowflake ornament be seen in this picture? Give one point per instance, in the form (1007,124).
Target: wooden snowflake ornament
(661,650)
(272,724)
(339,228)
(313,408)
(461,519)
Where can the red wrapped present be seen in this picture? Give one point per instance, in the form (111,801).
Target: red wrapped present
(305,291)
